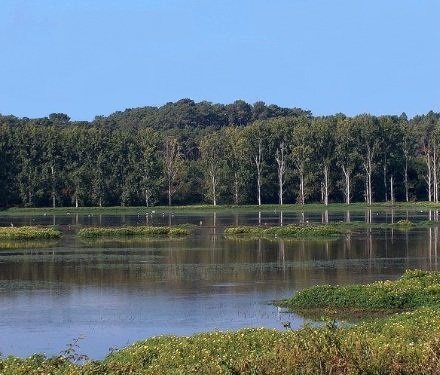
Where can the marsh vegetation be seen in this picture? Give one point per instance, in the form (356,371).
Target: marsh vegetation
(28,233)
(404,343)
(138,231)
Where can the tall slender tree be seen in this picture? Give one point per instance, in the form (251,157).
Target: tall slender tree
(368,131)
(301,153)
(173,166)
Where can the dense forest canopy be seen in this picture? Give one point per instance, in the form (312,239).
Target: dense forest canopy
(187,152)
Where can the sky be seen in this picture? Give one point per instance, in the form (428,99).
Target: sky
(88,58)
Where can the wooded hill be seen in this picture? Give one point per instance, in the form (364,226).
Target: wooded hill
(187,152)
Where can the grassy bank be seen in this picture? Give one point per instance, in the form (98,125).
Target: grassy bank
(189,209)
(404,343)
(138,231)
(28,233)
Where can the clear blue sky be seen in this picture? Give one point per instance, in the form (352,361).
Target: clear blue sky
(88,58)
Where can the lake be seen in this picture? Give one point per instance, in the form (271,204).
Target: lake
(109,294)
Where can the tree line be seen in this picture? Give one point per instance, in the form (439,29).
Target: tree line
(187,152)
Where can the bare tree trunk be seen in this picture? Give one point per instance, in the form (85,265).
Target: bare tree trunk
(259,164)
(366,190)
(347,184)
(301,177)
(392,189)
(169,193)
(368,170)
(428,177)
(147,197)
(326,185)
(279,157)
(52,170)
(281,192)
(385,179)
(236,185)
(213,186)
(259,187)
(406,177)
(368,166)
(434,173)
(172,158)
(370,190)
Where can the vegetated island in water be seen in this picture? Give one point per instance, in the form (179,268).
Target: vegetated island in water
(413,290)
(310,231)
(407,342)
(290,230)
(26,233)
(138,231)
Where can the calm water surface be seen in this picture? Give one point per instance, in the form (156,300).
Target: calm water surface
(110,294)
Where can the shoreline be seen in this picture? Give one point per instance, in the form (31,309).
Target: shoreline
(406,339)
(142,210)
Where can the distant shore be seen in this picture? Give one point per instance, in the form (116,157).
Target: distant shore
(142,210)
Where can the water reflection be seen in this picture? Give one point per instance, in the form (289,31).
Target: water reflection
(222,219)
(8,244)
(114,292)
(432,247)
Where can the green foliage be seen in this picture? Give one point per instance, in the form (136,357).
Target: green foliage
(28,233)
(121,159)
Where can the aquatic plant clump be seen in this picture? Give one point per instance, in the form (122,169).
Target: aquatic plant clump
(146,231)
(291,230)
(414,289)
(28,233)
